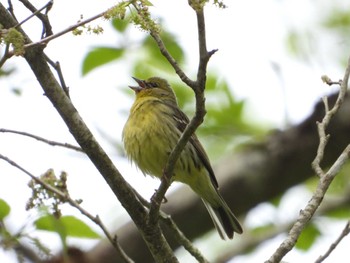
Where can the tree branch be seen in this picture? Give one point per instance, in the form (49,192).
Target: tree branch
(252,239)
(65,197)
(182,239)
(36,59)
(47,29)
(52,143)
(37,13)
(46,40)
(198,87)
(343,234)
(256,173)
(325,178)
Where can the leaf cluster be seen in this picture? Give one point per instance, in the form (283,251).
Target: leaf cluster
(64,227)
(15,38)
(139,14)
(43,197)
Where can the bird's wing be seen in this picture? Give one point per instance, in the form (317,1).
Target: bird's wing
(181,123)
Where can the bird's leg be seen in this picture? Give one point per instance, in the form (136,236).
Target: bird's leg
(153,199)
(168,182)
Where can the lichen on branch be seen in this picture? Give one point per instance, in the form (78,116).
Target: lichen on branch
(15,38)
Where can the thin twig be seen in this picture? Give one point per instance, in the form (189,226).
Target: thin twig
(322,126)
(251,239)
(164,51)
(156,242)
(64,196)
(307,213)
(6,55)
(198,87)
(182,239)
(57,66)
(171,60)
(65,31)
(343,234)
(176,232)
(47,29)
(35,12)
(10,9)
(52,143)
(325,178)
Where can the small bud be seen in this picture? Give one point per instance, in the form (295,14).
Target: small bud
(326,79)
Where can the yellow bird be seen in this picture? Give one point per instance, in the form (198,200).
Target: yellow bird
(152,130)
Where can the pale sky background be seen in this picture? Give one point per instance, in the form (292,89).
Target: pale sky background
(250,36)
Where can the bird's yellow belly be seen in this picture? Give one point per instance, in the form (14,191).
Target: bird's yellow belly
(152,155)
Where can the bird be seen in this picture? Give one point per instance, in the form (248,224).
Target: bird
(152,130)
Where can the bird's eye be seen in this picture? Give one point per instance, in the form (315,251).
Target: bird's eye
(152,85)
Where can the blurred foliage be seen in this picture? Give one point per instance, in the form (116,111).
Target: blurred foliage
(100,56)
(298,44)
(308,237)
(6,72)
(4,209)
(340,185)
(338,19)
(326,38)
(337,23)
(313,41)
(65,226)
(12,240)
(340,213)
(48,204)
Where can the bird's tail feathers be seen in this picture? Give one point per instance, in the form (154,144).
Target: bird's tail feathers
(224,220)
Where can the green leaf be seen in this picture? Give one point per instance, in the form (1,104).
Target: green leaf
(339,185)
(77,228)
(155,56)
(4,209)
(276,200)
(120,24)
(308,237)
(50,223)
(148,3)
(340,213)
(66,226)
(260,230)
(338,19)
(100,56)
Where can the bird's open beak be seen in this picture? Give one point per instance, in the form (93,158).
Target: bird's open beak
(140,86)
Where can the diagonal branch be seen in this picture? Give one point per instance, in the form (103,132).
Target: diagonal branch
(182,239)
(47,29)
(288,152)
(322,126)
(36,12)
(198,87)
(171,60)
(66,197)
(45,40)
(325,178)
(343,234)
(35,58)
(41,139)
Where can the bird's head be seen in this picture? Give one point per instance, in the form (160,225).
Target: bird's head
(154,87)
